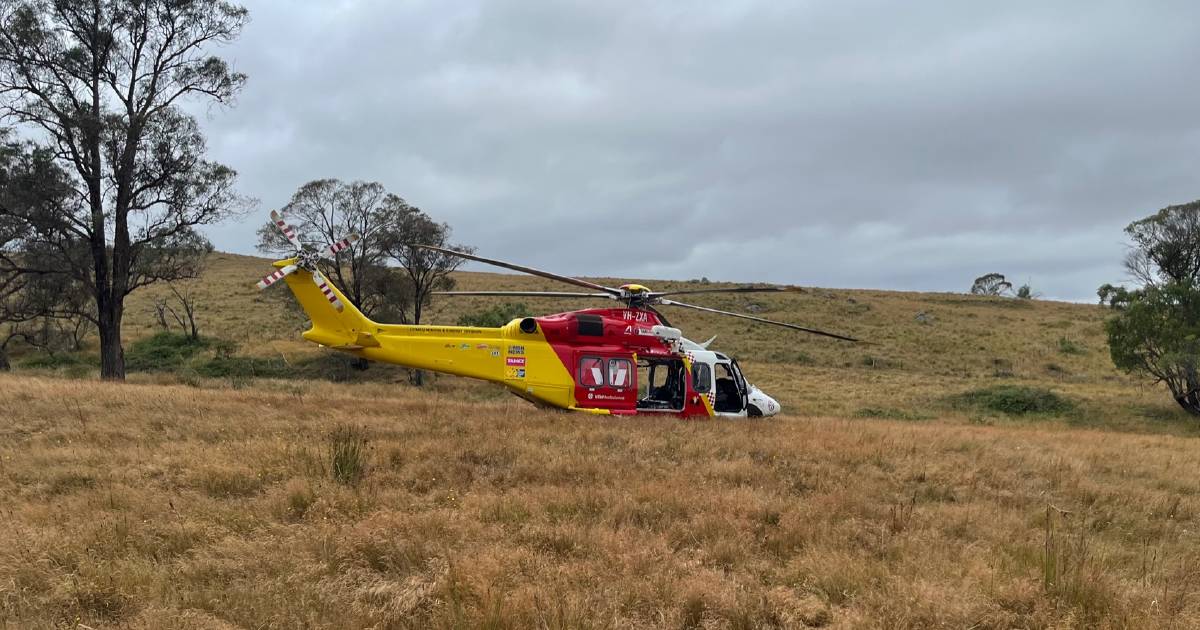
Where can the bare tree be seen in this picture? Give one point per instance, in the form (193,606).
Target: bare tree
(427,270)
(326,210)
(181,310)
(100,82)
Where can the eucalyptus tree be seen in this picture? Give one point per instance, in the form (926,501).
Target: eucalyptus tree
(101,87)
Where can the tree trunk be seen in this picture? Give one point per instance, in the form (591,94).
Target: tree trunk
(1190,403)
(4,364)
(112,357)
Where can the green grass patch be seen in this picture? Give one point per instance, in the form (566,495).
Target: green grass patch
(243,367)
(46,361)
(1014,400)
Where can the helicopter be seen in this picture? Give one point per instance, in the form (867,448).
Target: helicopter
(623,360)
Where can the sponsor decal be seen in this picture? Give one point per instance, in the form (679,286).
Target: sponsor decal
(521,373)
(516,349)
(606,397)
(513,372)
(465,346)
(482,346)
(495,353)
(515,361)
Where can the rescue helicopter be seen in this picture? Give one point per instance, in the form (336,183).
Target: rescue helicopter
(623,360)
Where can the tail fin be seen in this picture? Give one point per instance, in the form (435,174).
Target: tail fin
(347,329)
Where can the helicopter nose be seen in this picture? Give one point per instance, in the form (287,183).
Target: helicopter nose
(765,405)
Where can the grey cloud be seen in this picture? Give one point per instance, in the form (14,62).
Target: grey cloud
(875,144)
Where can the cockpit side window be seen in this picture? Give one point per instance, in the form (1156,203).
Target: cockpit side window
(701,378)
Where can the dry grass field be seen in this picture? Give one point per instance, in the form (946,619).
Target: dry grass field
(879,499)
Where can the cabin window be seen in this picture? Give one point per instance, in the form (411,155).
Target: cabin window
(620,372)
(591,372)
(701,377)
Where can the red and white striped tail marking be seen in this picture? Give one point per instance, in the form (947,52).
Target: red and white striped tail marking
(327,290)
(286,229)
(341,245)
(275,277)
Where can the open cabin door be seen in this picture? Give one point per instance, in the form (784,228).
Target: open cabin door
(730,389)
(662,384)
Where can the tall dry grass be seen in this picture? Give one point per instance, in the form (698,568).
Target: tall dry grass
(159,506)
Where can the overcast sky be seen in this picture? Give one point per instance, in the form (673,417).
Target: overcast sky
(897,145)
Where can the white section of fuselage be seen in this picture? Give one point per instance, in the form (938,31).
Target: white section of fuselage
(766,405)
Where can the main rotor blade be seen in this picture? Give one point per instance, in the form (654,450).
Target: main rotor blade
(275,277)
(758,319)
(328,292)
(731,290)
(331,252)
(529,270)
(286,229)
(550,294)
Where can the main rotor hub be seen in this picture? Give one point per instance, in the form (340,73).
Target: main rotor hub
(307,259)
(635,295)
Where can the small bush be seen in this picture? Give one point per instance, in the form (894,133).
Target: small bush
(47,361)
(495,316)
(1015,400)
(1066,345)
(347,454)
(163,352)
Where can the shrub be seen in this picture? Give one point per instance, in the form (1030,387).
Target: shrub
(1015,400)
(1066,345)
(47,361)
(347,454)
(495,316)
(163,352)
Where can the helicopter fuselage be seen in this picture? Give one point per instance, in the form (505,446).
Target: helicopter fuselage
(607,361)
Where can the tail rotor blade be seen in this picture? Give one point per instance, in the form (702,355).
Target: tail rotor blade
(286,229)
(275,277)
(340,246)
(327,291)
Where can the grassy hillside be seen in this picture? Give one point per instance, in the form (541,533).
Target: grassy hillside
(910,366)
(985,467)
(151,506)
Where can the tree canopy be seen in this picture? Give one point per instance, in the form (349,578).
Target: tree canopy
(1155,329)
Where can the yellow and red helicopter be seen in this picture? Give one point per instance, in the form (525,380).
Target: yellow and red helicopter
(626,360)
